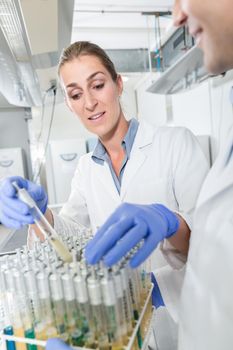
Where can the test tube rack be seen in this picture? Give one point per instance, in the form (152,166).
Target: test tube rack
(132,339)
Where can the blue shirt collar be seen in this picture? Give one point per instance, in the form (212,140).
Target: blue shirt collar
(99,152)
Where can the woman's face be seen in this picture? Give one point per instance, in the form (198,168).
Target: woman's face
(91,94)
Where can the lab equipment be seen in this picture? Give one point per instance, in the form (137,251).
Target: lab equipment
(47,329)
(121,303)
(43,224)
(58,304)
(72,312)
(127,226)
(81,304)
(112,312)
(97,311)
(82,298)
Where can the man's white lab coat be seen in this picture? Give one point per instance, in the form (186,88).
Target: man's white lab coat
(206,316)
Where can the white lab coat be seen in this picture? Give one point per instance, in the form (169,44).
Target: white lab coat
(206,316)
(166,166)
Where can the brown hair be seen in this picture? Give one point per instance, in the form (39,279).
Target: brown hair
(81,48)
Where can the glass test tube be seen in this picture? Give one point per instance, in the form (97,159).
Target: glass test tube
(97,311)
(43,224)
(111,311)
(32,292)
(135,301)
(47,328)
(120,303)
(18,329)
(72,315)
(6,324)
(58,305)
(84,308)
(25,313)
(128,308)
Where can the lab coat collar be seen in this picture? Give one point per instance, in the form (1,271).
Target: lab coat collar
(138,155)
(220,177)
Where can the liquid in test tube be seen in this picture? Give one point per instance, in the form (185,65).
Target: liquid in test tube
(47,328)
(58,305)
(72,315)
(43,224)
(111,311)
(118,287)
(25,312)
(84,308)
(97,311)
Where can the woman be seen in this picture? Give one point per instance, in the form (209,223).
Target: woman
(132,162)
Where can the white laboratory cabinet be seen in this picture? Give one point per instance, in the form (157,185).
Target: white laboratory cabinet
(11,162)
(61,161)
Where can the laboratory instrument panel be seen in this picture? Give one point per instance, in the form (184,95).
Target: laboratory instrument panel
(91,307)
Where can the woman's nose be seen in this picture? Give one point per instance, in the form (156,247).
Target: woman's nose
(179,17)
(90,102)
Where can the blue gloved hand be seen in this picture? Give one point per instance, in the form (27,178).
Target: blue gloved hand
(126,227)
(13,212)
(56,344)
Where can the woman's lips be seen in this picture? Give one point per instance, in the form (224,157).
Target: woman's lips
(96,116)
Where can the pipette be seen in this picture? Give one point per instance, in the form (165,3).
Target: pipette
(43,224)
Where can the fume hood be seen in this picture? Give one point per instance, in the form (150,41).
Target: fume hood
(32,35)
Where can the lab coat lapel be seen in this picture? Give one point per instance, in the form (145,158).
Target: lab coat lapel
(138,155)
(105,182)
(220,177)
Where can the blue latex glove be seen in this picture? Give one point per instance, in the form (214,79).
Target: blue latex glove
(157,299)
(127,226)
(56,344)
(13,212)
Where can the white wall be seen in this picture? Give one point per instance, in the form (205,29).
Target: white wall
(151,107)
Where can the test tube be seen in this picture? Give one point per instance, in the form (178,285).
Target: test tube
(47,328)
(6,324)
(111,311)
(97,311)
(135,301)
(118,286)
(43,224)
(32,292)
(84,308)
(128,308)
(58,304)
(25,314)
(14,308)
(74,329)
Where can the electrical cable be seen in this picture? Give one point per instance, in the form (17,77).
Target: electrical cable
(36,176)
